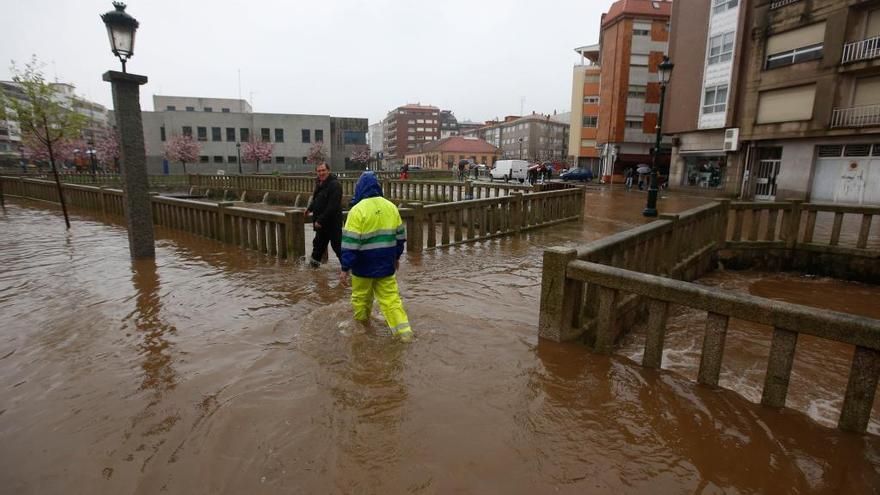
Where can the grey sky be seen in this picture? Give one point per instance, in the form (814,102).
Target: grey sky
(352,58)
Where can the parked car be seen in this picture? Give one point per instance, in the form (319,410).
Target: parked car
(510,169)
(581,174)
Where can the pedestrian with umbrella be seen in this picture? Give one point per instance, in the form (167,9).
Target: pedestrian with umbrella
(642,170)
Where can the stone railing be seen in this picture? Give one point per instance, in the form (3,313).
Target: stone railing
(394,189)
(824,239)
(447,224)
(598,291)
(274,233)
(789,321)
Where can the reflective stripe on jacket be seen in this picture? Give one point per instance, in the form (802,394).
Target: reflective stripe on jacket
(373,238)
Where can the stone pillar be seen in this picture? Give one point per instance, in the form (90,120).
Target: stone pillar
(133,162)
(559,297)
(415,240)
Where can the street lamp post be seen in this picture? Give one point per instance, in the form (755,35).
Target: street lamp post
(520,148)
(238,152)
(121,29)
(663,71)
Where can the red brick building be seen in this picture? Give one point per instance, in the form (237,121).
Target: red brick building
(408,127)
(446,153)
(633,39)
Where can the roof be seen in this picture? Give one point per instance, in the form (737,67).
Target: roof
(458,144)
(637,8)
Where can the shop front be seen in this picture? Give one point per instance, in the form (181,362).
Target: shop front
(706,170)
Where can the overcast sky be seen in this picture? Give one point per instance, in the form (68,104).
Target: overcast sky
(346,58)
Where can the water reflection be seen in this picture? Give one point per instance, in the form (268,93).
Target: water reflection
(155,348)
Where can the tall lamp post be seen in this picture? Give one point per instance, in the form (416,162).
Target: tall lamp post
(664,70)
(238,152)
(121,29)
(520,148)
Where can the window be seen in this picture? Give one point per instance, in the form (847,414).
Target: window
(279,135)
(638,60)
(203,133)
(171,108)
(635,122)
(224,110)
(637,91)
(641,32)
(279,159)
(306,136)
(319,135)
(591,121)
(786,104)
(797,55)
(230,133)
(218,159)
(244,134)
(231,159)
(216,134)
(591,79)
(190,109)
(591,100)
(719,6)
(204,159)
(588,143)
(162,133)
(209,109)
(641,29)
(721,48)
(265,135)
(715,99)
(187,131)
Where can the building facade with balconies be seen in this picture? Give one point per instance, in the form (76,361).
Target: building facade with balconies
(706,46)
(409,126)
(810,105)
(582,145)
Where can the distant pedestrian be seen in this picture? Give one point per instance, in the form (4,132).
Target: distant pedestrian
(404,172)
(325,209)
(476,172)
(628,175)
(461,170)
(372,243)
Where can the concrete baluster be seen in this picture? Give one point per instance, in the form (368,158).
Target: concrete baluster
(864,230)
(779,364)
(658,312)
(859,398)
(713,349)
(606,320)
(560,297)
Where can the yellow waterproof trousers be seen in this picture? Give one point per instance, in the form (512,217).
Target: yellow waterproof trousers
(384,289)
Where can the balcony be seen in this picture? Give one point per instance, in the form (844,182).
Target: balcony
(866,49)
(862,116)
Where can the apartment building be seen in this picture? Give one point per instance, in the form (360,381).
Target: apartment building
(95,115)
(810,113)
(535,137)
(409,126)
(633,41)
(706,46)
(583,148)
(220,124)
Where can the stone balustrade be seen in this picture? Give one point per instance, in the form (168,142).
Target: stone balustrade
(596,292)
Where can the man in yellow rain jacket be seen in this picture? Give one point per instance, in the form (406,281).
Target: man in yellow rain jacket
(372,242)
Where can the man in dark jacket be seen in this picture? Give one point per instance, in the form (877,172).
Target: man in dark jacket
(326,211)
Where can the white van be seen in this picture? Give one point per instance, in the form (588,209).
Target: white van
(510,169)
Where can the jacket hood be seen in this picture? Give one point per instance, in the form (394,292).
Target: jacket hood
(367,187)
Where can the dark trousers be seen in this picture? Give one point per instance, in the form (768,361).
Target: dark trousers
(327,234)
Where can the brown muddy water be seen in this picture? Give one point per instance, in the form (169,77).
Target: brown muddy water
(217,370)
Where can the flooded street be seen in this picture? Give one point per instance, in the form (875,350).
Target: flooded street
(219,370)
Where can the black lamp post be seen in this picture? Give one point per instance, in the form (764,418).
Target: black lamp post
(120,28)
(663,71)
(238,152)
(520,148)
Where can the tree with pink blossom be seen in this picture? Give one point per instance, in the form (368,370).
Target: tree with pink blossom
(182,149)
(107,150)
(360,156)
(317,153)
(257,151)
